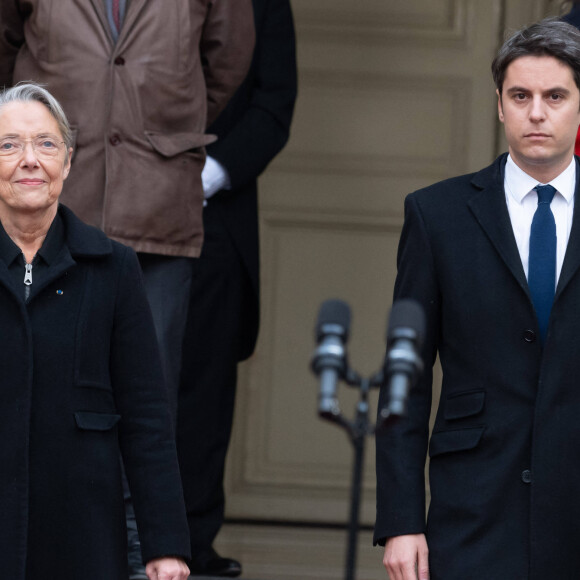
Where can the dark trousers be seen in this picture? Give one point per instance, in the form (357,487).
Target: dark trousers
(168,286)
(208,379)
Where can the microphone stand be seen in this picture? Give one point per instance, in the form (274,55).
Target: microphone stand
(357,431)
(402,363)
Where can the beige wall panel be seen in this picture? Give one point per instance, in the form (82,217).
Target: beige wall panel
(293,452)
(371,125)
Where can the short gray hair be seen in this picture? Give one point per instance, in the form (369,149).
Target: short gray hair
(26,92)
(549,37)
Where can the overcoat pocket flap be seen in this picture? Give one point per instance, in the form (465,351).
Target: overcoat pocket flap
(464,405)
(455,440)
(173,144)
(96,421)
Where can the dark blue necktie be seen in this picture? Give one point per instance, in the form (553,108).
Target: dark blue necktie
(542,260)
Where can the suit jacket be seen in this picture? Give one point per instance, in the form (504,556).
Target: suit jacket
(81,380)
(504,447)
(251,131)
(139,107)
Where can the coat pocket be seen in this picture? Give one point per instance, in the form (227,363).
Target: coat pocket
(455,440)
(465,404)
(170,145)
(90,421)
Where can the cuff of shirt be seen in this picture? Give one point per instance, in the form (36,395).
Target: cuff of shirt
(214,177)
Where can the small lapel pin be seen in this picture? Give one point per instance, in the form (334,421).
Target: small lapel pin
(60,292)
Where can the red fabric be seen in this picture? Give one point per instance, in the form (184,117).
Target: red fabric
(116,14)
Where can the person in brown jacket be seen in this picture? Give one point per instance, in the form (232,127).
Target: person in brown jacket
(140,80)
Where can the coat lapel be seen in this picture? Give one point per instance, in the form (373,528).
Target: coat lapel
(100,10)
(489,207)
(572,257)
(134,8)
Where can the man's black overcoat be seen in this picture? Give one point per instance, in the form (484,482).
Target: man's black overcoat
(505,446)
(252,130)
(80,379)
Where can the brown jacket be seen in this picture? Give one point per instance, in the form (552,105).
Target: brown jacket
(139,107)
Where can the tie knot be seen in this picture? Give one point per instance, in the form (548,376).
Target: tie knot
(545,193)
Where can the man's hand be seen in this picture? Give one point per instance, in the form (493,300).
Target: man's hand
(167,569)
(407,557)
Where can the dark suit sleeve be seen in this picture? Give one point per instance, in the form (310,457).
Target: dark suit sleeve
(401,448)
(145,434)
(11,39)
(264,127)
(227,45)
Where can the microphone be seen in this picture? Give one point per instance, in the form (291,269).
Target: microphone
(330,361)
(403,363)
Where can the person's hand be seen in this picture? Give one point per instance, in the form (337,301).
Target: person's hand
(167,569)
(407,557)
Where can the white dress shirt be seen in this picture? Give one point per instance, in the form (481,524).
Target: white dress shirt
(522,202)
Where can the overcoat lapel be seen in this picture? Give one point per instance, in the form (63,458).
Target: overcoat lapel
(489,207)
(100,10)
(572,257)
(134,8)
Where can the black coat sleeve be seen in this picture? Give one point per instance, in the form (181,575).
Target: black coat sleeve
(256,124)
(401,449)
(145,434)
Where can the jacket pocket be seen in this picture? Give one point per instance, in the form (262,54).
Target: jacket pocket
(455,440)
(464,404)
(170,145)
(90,421)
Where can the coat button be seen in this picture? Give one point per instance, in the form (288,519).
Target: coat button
(119,61)
(529,336)
(527,476)
(114,140)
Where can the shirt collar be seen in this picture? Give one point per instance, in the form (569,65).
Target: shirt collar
(519,183)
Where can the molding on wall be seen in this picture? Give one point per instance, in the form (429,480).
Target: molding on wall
(349,22)
(362,87)
(259,481)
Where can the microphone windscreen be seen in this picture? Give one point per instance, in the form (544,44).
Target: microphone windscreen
(407,313)
(333,313)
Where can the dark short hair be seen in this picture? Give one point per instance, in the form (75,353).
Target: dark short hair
(549,37)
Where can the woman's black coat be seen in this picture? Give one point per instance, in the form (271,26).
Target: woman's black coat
(80,379)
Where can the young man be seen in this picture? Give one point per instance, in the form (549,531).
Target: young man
(495,262)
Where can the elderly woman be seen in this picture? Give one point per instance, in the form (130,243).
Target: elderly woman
(80,377)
